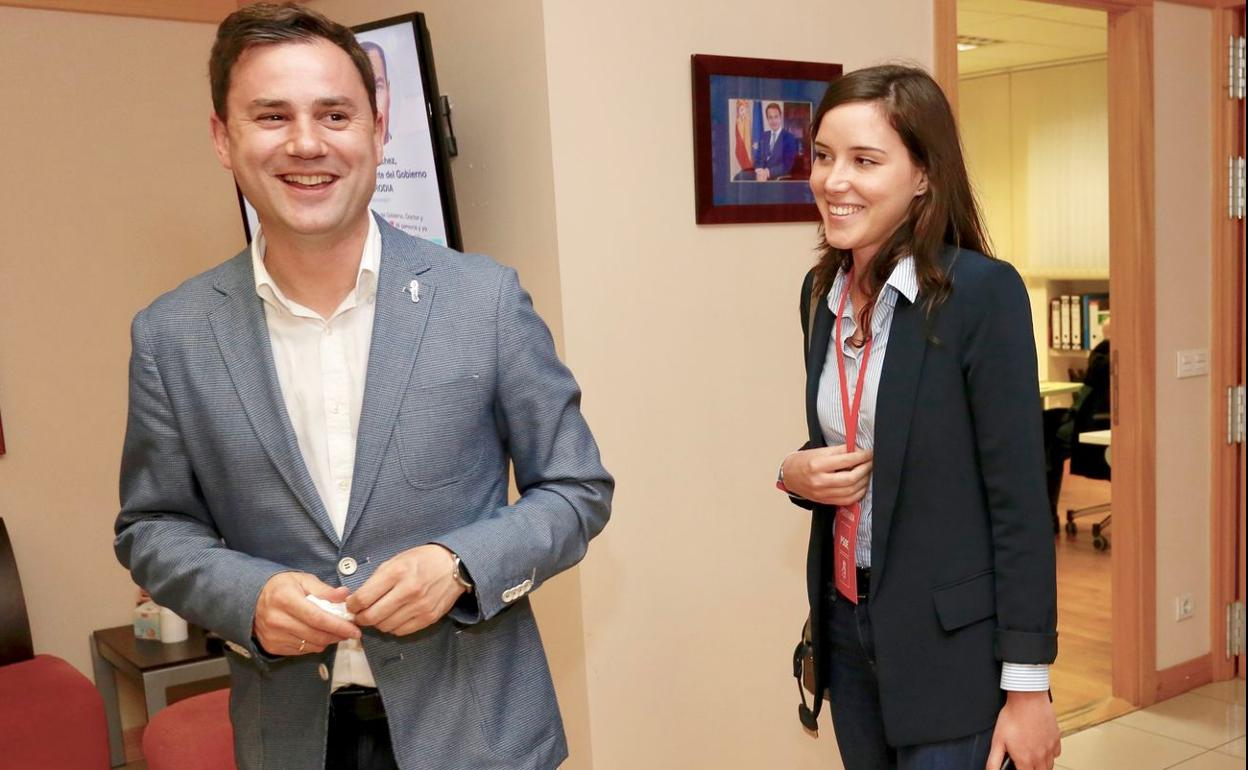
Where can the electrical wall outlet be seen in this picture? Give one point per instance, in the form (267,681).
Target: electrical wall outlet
(1193,363)
(1184,607)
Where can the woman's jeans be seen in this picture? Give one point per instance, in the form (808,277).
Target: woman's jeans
(855,705)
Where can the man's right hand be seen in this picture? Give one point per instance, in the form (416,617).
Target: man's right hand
(828,475)
(288,624)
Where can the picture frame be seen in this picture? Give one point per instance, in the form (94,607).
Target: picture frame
(752,137)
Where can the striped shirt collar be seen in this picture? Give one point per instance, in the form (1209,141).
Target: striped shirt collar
(904,280)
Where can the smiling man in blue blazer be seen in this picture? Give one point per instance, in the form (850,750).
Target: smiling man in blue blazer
(331,415)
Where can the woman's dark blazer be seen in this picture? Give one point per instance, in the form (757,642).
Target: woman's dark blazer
(963,573)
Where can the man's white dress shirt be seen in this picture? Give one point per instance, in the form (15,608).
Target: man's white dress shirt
(321,363)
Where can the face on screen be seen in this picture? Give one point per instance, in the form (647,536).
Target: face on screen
(383,86)
(301,138)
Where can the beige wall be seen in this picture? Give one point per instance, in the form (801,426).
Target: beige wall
(111,195)
(687,341)
(1185,193)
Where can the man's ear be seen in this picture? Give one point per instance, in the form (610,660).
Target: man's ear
(379,133)
(220,140)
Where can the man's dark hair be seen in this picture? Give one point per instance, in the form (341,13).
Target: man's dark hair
(773,106)
(270,24)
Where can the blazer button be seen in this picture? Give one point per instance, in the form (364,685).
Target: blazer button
(527,585)
(347,566)
(508,596)
(323,672)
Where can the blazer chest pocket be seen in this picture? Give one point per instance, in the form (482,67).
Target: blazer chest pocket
(441,432)
(967,601)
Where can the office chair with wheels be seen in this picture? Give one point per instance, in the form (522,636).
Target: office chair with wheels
(1091,412)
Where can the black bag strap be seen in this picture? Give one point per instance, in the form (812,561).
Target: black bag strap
(804,659)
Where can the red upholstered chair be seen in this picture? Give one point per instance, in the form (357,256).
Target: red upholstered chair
(51,716)
(192,734)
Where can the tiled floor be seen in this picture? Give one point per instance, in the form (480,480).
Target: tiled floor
(1199,730)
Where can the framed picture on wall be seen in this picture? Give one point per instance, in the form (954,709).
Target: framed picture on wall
(752,138)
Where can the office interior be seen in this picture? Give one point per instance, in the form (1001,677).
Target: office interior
(1033,110)
(671,644)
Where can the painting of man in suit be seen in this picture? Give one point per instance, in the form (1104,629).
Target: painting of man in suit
(770,141)
(320,439)
(777,149)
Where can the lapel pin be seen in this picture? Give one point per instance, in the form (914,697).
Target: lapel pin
(413,289)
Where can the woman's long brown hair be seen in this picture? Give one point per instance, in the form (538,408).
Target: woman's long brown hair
(946,213)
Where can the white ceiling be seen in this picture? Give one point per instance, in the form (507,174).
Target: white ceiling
(1029,34)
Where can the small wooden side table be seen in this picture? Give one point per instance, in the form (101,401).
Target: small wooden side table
(154,665)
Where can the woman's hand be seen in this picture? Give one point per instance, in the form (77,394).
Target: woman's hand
(1027,731)
(828,475)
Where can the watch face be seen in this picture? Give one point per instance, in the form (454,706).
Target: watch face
(457,572)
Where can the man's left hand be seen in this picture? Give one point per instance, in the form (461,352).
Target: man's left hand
(1027,731)
(410,591)
(762,175)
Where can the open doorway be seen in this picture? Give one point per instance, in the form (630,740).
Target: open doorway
(1034,111)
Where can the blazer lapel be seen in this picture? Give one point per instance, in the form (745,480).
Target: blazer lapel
(398,327)
(243,337)
(816,354)
(899,386)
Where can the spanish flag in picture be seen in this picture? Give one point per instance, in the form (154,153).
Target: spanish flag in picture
(743,137)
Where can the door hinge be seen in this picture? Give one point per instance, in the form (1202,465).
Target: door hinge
(1239,414)
(1235,192)
(1234,629)
(1235,67)
(1235,414)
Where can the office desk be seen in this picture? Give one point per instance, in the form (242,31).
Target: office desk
(1097,437)
(156,666)
(1055,388)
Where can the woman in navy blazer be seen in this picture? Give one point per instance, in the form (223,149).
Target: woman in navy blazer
(933,602)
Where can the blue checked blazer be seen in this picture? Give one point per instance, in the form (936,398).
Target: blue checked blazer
(215,500)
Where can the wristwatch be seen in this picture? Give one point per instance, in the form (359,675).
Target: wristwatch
(459,573)
(780,480)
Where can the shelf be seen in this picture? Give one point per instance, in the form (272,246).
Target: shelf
(1068,274)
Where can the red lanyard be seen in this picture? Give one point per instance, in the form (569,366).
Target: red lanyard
(845,530)
(850,413)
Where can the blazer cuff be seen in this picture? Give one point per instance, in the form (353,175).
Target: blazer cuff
(1025,646)
(1025,677)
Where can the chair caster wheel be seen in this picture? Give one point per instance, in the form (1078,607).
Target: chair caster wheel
(1072,528)
(1100,543)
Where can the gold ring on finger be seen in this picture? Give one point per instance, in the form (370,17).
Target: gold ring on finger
(302,643)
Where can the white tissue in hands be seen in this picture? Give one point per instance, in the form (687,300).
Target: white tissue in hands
(333,608)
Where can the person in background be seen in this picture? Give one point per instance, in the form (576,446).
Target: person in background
(320,440)
(930,572)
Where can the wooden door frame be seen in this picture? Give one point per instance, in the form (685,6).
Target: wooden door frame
(1226,366)
(1132,271)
